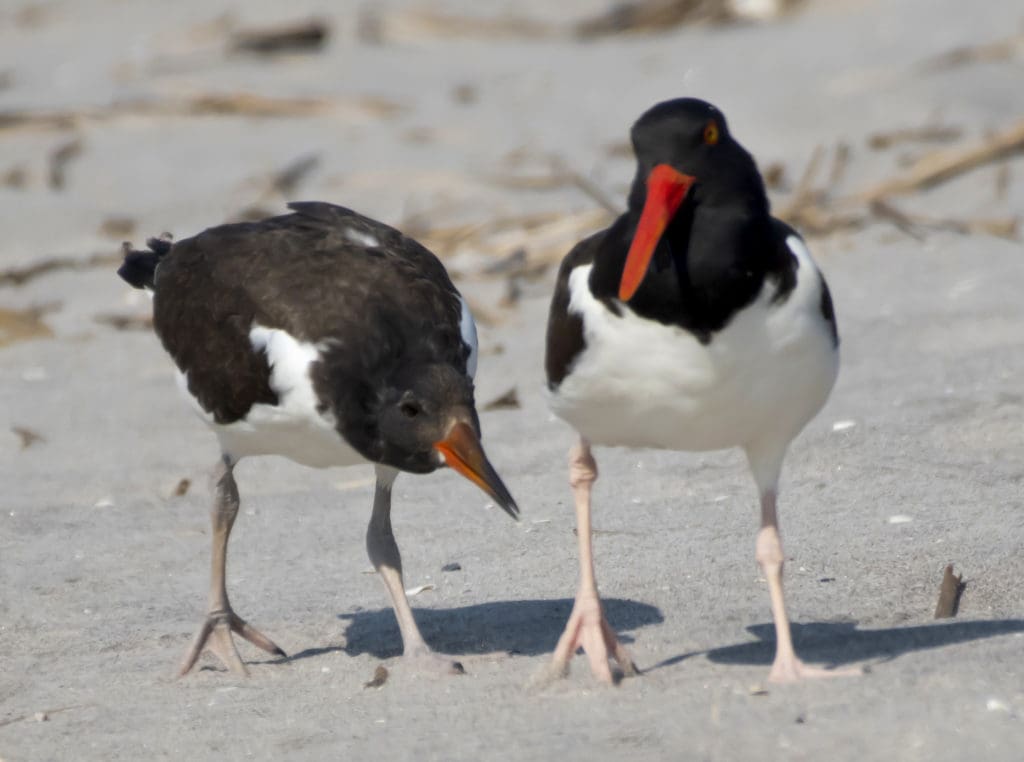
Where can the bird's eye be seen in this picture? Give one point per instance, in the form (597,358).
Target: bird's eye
(410,409)
(711,133)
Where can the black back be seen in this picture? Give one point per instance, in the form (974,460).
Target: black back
(371,310)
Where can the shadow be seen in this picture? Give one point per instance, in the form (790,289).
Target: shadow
(517,627)
(839,643)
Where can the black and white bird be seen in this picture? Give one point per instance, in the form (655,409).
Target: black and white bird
(328,338)
(697,321)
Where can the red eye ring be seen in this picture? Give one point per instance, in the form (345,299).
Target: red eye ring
(711,133)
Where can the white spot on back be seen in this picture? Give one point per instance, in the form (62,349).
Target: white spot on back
(361,238)
(467,326)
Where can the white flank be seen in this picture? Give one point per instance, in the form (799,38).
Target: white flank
(360,238)
(640,383)
(293,428)
(467,326)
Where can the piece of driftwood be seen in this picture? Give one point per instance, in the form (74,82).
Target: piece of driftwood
(378,25)
(295,37)
(939,166)
(950,591)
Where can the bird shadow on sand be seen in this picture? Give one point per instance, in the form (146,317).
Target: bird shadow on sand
(520,627)
(837,643)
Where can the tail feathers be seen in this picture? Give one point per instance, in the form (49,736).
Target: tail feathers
(139,267)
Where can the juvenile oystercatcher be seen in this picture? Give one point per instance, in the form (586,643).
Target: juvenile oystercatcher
(696,321)
(328,338)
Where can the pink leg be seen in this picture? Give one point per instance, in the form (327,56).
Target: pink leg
(587,627)
(221,620)
(786,668)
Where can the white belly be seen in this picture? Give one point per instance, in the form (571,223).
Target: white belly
(640,383)
(293,428)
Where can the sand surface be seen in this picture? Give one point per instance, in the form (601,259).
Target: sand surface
(916,462)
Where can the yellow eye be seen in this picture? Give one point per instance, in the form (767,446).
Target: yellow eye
(711,133)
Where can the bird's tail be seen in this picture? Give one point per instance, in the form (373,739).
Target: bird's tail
(139,267)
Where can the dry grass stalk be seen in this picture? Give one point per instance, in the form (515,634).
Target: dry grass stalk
(207,104)
(999,50)
(934,133)
(939,166)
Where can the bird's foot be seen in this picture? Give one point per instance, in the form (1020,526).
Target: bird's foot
(789,669)
(215,634)
(424,661)
(588,629)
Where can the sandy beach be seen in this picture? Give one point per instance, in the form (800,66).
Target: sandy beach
(891,133)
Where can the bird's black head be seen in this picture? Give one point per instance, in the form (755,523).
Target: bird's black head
(686,156)
(424,419)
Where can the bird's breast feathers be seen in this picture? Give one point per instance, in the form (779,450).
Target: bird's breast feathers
(639,382)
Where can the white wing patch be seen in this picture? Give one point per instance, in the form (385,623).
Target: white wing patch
(467,326)
(293,428)
(360,238)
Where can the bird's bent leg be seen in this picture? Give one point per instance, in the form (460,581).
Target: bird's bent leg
(386,559)
(587,627)
(786,668)
(221,620)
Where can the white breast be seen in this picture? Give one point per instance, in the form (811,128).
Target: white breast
(644,384)
(293,428)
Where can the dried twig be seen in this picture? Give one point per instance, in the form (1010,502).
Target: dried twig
(999,50)
(652,16)
(302,37)
(207,104)
(17,276)
(506,401)
(928,134)
(949,594)
(27,436)
(939,166)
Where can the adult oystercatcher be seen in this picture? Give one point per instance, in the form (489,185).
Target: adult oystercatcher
(696,321)
(328,338)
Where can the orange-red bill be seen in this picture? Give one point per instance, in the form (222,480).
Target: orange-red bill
(462,451)
(666,189)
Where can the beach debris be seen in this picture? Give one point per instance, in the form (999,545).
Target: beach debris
(205,104)
(27,436)
(942,165)
(18,276)
(950,590)
(60,157)
(929,133)
(454,566)
(182,487)
(380,676)
(23,325)
(306,36)
(843,425)
(1005,49)
(900,518)
(118,227)
(774,175)
(15,177)
(652,16)
(509,400)
(125,322)
(378,25)
(418,589)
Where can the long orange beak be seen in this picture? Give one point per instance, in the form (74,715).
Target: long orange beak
(666,189)
(462,451)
